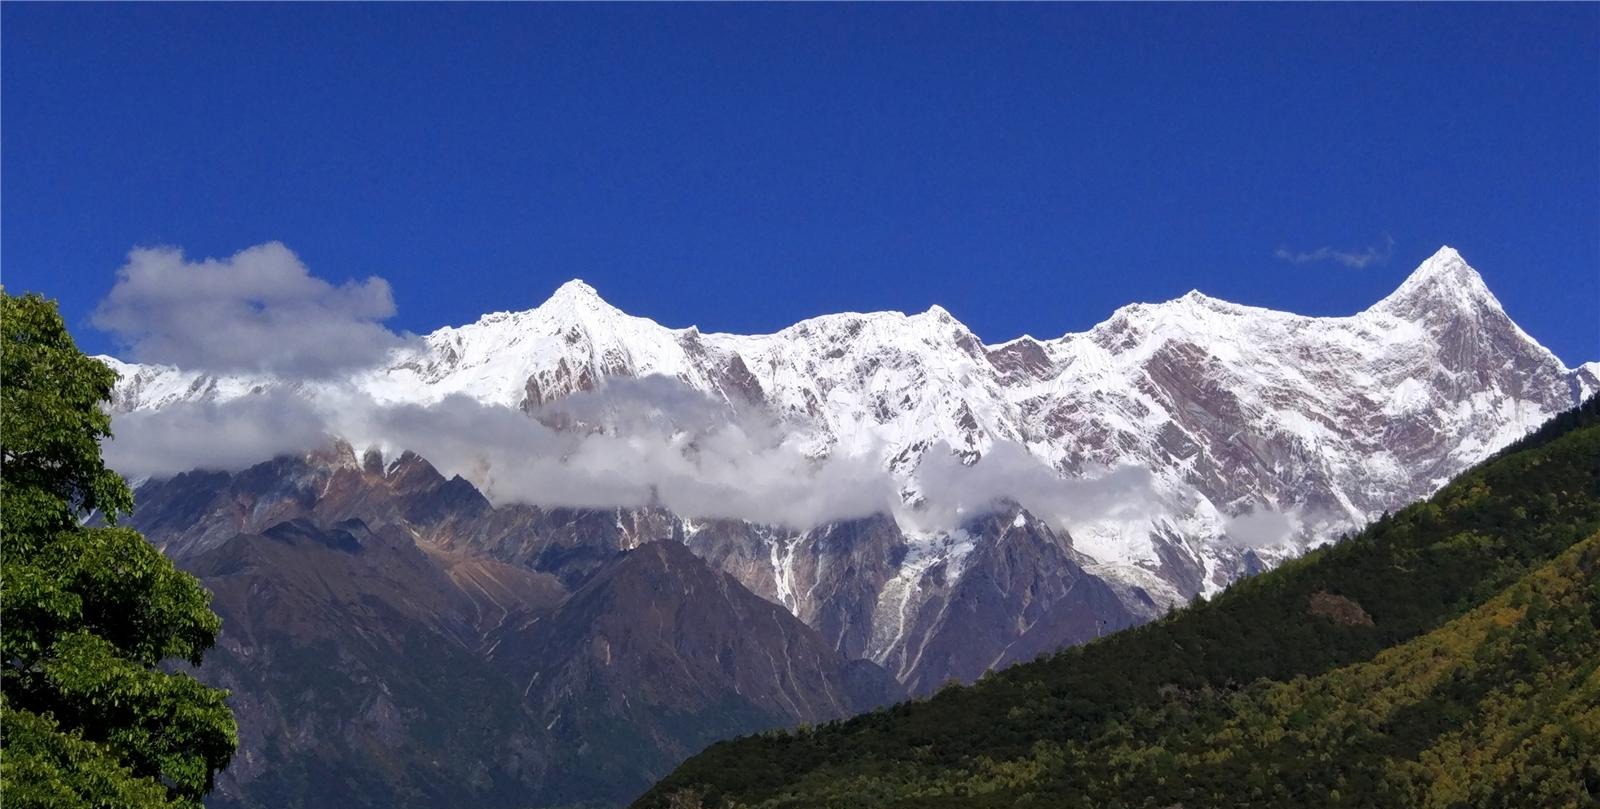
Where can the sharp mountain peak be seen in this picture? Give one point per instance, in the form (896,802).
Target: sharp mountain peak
(1444,278)
(577,298)
(575,290)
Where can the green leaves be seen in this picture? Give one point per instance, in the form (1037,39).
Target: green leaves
(162,723)
(135,598)
(51,424)
(46,765)
(89,716)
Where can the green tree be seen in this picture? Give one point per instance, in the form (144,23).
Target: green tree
(88,714)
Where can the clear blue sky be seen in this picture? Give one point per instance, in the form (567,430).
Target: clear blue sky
(1029,167)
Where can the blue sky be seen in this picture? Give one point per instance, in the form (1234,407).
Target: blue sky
(1029,167)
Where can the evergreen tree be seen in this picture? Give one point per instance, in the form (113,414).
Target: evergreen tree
(88,714)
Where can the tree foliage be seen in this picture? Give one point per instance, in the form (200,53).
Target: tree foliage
(88,614)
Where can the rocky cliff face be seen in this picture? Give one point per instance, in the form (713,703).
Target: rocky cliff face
(657,656)
(351,658)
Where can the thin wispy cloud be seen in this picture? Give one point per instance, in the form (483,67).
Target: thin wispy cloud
(1354,259)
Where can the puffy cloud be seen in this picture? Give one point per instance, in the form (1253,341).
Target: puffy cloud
(259,311)
(1354,259)
(632,442)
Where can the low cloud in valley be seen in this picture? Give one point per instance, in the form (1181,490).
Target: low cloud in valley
(953,491)
(211,435)
(1261,528)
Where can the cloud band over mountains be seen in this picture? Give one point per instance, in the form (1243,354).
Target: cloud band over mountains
(632,443)
(650,441)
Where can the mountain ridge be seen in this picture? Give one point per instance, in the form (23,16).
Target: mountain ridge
(576,297)
(1253,434)
(1042,494)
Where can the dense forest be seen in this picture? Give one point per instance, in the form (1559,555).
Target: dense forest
(1447,655)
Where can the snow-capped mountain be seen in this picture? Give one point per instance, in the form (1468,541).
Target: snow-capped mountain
(1261,431)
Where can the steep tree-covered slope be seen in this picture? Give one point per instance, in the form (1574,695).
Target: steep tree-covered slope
(1349,675)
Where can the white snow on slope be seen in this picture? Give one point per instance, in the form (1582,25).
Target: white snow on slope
(1234,409)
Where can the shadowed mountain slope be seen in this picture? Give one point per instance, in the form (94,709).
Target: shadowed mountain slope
(384,667)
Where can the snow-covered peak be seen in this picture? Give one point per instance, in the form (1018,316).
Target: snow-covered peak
(1209,437)
(576,292)
(1586,380)
(1173,386)
(1230,409)
(575,302)
(1443,283)
(1136,330)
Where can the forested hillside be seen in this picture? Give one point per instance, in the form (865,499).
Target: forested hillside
(1447,655)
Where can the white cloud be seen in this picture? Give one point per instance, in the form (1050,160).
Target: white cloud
(953,491)
(631,443)
(1261,528)
(259,311)
(624,447)
(645,442)
(208,435)
(1355,259)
